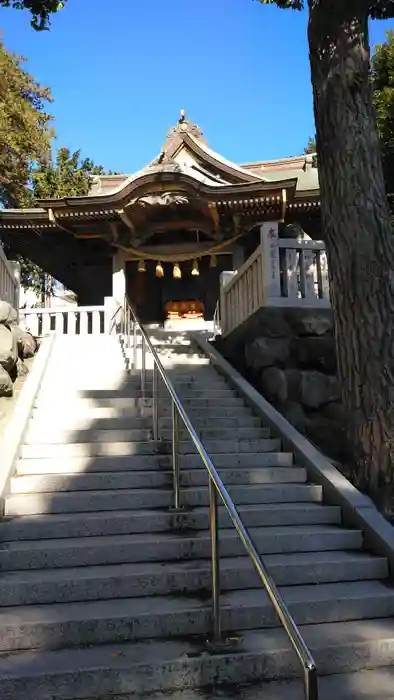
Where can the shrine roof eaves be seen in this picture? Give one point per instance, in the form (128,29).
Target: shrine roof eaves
(107,205)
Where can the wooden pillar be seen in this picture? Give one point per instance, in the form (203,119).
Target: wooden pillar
(119,277)
(238,257)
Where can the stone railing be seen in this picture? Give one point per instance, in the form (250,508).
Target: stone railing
(282,272)
(77,320)
(9,280)
(243,294)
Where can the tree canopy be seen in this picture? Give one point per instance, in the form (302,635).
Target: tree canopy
(25,134)
(65,176)
(28,170)
(377,9)
(41,10)
(382,76)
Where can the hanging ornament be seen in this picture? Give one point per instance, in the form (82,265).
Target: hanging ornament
(141,266)
(213,261)
(159,269)
(176,271)
(195,270)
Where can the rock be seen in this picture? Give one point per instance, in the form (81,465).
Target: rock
(8,348)
(329,436)
(270,322)
(294,413)
(8,314)
(6,386)
(274,384)
(20,370)
(264,352)
(334,411)
(293,379)
(307,322)
(315,353)
(27,344)
(317,389)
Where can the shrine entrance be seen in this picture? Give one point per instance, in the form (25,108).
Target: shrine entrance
(163,298)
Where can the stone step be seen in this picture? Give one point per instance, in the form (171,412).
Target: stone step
(76,465)
(142,547)
(129,392)
(181,381)
(366,685)
(79,501)
(81,400)
(50,483)
(58,435)
(114,449)
(128,619)
(125,522)
(168,578)
(43,422)
(255,657)
(117,408)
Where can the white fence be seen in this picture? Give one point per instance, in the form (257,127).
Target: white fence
(77,320)
(282,272)
(9,281)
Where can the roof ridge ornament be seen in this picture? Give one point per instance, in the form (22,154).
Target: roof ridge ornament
(185,126)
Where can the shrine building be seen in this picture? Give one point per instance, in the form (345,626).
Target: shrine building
(166,233)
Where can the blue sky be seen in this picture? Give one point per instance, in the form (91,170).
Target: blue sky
(120,72)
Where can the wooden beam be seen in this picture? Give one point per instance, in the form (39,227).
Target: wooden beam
(89,235)
(124,215)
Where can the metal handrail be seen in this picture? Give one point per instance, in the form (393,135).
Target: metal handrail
(216,487)
(216,319)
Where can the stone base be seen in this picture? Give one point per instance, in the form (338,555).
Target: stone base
(289,356)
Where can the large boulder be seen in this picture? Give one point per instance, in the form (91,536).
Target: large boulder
(8,348)
(8,315)
(20,370)
(274,384)
(314,353)
(27,344)
(317,389)
(306,322)
(265,352)
(6,386)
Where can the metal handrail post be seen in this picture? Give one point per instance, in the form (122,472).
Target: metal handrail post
(155,399)
(311,684)
(134,346)
(143,367)
(128,324)
(175,455)
(215,556)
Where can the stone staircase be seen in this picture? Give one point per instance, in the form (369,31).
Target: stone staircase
(105,592)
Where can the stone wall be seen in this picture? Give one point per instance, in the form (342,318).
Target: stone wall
(289,356)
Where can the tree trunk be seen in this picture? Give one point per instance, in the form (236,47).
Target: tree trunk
(358,234)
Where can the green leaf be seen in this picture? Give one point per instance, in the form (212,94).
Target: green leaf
(285,4)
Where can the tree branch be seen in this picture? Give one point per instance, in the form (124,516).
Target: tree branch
(285,4)
(41,10)
(382,9)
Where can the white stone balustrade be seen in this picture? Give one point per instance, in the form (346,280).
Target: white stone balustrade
(77,320)
(9,280)
(282,272)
